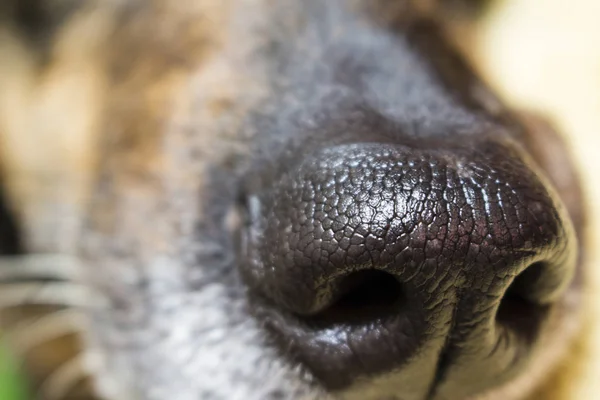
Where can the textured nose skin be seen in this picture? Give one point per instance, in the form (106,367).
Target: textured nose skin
(382,257)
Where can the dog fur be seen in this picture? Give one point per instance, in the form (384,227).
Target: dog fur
(96,112)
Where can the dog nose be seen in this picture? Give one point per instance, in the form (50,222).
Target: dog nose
(417,265)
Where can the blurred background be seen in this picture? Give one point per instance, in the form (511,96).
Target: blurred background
(542,55)
(545,55)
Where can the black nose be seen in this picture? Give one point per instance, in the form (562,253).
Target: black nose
(409,264)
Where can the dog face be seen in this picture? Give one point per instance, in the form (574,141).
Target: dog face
(318,200)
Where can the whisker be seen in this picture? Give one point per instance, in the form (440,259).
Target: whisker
(62,380)
(38,266)
(33,332)
(46,293)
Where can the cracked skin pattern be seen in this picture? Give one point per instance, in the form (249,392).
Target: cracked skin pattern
(454,224)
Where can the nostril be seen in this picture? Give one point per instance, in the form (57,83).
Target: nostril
(518,309)
(369,289)
(526,281)
(363,296)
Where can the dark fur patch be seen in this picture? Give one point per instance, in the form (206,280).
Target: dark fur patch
(10,236)
(37,22)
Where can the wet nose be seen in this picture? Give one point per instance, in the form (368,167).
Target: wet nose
(379,260)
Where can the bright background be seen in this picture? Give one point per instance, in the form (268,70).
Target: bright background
(545,54)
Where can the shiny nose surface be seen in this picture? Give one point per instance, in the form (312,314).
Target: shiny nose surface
(423,264)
